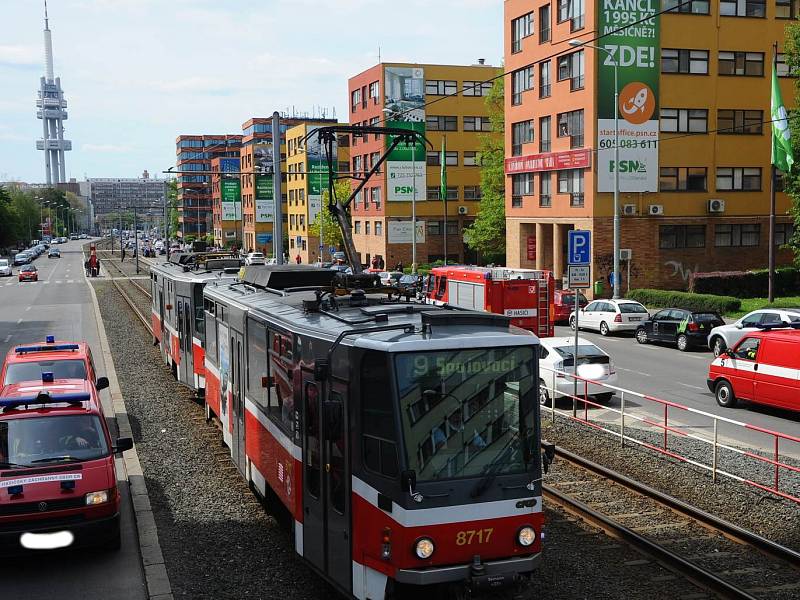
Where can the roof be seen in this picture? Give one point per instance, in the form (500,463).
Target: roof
(67,388)
(43,352)
(784,333)
(214,269)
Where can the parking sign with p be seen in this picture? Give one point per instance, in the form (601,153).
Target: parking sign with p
(579,247)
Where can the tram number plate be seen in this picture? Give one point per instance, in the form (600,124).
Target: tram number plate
(473,536)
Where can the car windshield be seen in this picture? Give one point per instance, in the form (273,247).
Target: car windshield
(466,413)
(583,350)
(32,371)
(52,439)
(408,279)
(631,307)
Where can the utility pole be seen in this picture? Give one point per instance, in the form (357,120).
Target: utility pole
(277,225)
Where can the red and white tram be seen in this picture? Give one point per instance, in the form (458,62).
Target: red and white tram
(400,439)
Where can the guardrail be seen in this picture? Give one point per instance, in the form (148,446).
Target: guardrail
(668,426)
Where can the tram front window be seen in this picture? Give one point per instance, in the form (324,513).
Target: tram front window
(460,411)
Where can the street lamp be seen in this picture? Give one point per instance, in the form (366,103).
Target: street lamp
(616,274)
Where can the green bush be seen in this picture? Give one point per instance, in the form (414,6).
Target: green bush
(746,284)
(689,301)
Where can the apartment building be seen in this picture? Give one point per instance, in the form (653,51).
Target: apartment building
(694,134)
(226,202)
(113,194)
(442,102)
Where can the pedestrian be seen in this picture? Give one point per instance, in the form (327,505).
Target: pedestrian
(298,259)
(375,263)
(122,256)
(399,266)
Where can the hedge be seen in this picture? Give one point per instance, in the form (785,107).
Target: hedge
(746,284)
(689,301)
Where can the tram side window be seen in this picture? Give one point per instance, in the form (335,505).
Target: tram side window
(199,320)
(211,334)
(257,364)
(281,394)
(377,416)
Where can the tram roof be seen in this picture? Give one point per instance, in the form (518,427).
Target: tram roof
(202,274)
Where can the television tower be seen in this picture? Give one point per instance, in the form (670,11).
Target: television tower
(52,112)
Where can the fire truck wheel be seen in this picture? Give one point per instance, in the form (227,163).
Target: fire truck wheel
(723,392)
(604,330)
(544,396)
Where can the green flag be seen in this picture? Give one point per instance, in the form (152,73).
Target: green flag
(782,156)
(443,189)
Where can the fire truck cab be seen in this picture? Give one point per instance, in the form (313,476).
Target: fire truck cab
(525,295)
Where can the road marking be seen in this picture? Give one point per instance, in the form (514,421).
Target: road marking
(694,387)
(19,321)
(59,281)
(71,281)
(8,337)
(632,371)
(27,308)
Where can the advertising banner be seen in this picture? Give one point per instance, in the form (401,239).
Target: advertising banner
(551,161)
(400,232)
(231,211)
(265,192)
(318,173)
(635,49)
(231,191)
(405,107)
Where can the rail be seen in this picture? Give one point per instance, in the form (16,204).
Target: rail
(632,416)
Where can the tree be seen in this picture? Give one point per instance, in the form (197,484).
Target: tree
(8,219)
(330,225)
(792,180)
(172,201)
(487,234)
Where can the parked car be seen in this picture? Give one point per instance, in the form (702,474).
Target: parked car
(339,256)
(684,328)
(557,354)
(564,303)
(5,268)
(761,368)
(390,277)
(610,316)
(54,253)
(22,258)
(28,273)
(254,258)
(727,336)
(409,283)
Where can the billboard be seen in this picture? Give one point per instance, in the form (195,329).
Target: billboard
(405,106)
(401,232)
(635,50)
(265,192)
(231,192)
(318,173)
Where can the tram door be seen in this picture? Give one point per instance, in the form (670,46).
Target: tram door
(185,370)
(326,482)
(238,377)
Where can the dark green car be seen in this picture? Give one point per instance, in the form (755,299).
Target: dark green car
(685,329)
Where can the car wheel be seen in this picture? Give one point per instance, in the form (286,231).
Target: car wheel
(572,323)
(683,343)
(544,395)
(604,330)
(604,398)
(718,346)
(641,336)
(723,392)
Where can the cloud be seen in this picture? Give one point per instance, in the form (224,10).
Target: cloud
(20,55)
(106,148)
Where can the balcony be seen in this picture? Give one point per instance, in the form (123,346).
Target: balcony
(54,145)
(51,113)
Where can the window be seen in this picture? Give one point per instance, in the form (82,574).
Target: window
(433,158)
(750,64)
(521,133)
(570,124)
(375,91)
(572,11)
(521,81)
(366,227)
(257,372)
(280,368)
(695,7)
(545,199)
(435,192)
(521,28)
(570,66)
(544,24)
(378,228)
(693,62)
(782,68)
(377,417)
(786,9)
(544,79)
(471,158)
(439,123)
(741,122)
(355,99)
(375,195)
(681,236)
(477,124)
(732,179)
(743,8)
(441,87)
(783,233)
(472,192)
(682,179)
(684,120)
(357,226)
(746,234)
(570,181)
(434,228)
(476,88)
(544,134)
(522,184)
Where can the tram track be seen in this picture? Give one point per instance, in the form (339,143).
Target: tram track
(718,556)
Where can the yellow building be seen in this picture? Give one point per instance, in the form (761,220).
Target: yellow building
(443,101)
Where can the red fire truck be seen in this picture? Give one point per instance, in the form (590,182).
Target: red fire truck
(525,295)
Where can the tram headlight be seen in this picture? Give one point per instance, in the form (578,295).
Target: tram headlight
(526,536)
(424,548)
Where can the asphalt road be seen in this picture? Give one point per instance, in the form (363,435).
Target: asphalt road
(666,373)
(60,304)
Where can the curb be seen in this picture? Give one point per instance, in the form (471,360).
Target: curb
(155,570)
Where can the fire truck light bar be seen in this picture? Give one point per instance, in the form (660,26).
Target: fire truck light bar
(32,349)
(45,398)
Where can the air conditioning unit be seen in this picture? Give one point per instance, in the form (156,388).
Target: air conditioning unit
(625,253)
(629,210)
(656,209)
(463,210)
(716,205)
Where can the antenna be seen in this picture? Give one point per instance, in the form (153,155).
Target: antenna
(379,54)
(46,26)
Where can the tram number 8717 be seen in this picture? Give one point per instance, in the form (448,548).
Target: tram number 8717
(473,536)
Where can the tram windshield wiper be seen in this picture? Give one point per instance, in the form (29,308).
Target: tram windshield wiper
(65,458)
(491,470)
(10,465)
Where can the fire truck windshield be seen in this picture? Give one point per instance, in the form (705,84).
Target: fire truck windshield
(461,411)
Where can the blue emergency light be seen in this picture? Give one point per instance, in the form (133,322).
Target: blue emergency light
(32,349)
(45,398)
(47,377)
(50,339)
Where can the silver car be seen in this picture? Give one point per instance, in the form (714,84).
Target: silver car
(727,336)
(5,268)
(610,316)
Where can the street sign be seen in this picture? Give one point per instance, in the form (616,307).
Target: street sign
(579,277)
(322,246)
(331,249)
(580,247)
(531,247)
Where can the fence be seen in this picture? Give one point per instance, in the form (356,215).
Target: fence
(667,427)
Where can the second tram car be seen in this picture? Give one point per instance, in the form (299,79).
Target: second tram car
(400,439)
(177,310)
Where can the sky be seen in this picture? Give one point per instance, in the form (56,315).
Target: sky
(137,73)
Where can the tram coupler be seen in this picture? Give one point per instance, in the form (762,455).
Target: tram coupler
(479,581)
